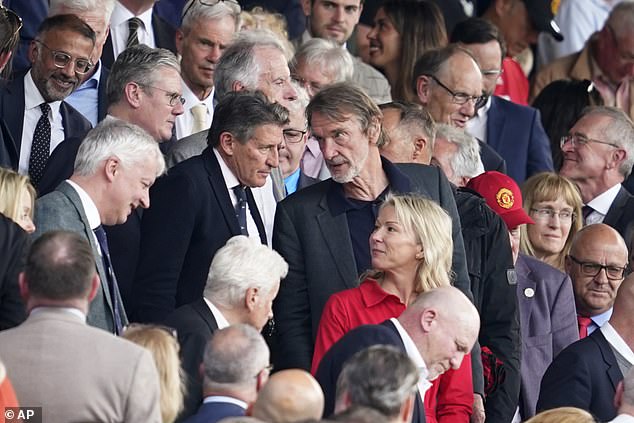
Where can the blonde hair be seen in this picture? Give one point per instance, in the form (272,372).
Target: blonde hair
(431,227)
(12,184)
(563,415)
(164,348)
(549,186)
(259,18)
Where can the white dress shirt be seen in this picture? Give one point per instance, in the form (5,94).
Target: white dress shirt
(220,319)
(414,355)
(601,204)
(90,208)
(477,125)
(119,30)
(615,340)
(185,122)
(32,114)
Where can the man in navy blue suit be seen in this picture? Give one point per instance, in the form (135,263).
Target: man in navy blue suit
(436,331)
(235,367)
(515,132)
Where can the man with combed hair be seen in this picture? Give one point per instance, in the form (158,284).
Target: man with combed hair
(114,169)
(206,31)
(457,154)
(624,399)
(243,279)
(598,157)
(410,133)
(587,373)
(215,202)
(90,98)
(448,82)
(235,366)
(435,331)
(335,20)
(606,59)
(322,231)
(381,377)
(290,396)
(112,379)
(255,60)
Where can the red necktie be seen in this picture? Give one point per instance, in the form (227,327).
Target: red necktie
(583,322)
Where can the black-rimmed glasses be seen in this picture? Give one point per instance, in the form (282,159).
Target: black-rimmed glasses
(614,273)
(174,97)
(293,136)
(461,98)
(209,3)
(61,59)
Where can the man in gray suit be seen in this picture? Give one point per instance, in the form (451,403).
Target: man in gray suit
(322,231)
(114,169)
(111,379)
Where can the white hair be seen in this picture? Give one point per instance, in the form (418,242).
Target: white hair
(197,11)
(466,162)
(121,139)
(241,264)
(58,7)
(333,60)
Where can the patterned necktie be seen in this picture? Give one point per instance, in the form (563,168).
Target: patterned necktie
(112,280)
(41,146)
(583,322)
(133,35)
(199,112)
(241,208)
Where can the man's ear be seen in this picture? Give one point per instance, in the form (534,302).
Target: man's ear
(111,167)
(133,92)
(502,7)
(251,298)
(307,7)
(618,156)
(33,51)
(374,130)
(423,89)
(95,282)
(24,287)
(226,143)
(237,86)
(427,319)
(343,402)
(420,145)
(178,38)
(4,58)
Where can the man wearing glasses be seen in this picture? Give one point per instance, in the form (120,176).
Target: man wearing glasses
(448,83)
(585,374)
(33,106)
(598,155)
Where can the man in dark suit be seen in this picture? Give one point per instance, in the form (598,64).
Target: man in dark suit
(449,85)
(32,105)
(134,22)
(215,202)
(13,248)
(114,169)
(514,131)
(435,331)
(322,231)
(587,373)
(244,277)
(235,367)
(598,156)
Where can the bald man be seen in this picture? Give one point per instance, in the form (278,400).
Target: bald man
(586,374)
(289,396)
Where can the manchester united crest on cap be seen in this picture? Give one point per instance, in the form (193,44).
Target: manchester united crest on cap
(505,198)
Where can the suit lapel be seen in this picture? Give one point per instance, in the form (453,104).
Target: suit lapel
(219,189)
(13,109)
(107,56)
(495,124)
(203,311)
(102,105)
(332,228)
(525,281)
(612,367)
(616,208)
(255,214)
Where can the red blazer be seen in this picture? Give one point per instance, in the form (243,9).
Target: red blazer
(449,400)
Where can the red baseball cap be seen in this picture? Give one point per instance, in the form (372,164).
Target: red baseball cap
(503,195)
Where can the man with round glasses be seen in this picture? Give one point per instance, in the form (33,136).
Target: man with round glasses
(33,104)
(598,156)
(585,374)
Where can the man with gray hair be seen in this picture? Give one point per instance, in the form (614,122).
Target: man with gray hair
(90,98)
(112,379)
(114,169)
(624,399)
(235,366)
(243,279)
(206,31)
(381,377)
(457,154)
(598,156)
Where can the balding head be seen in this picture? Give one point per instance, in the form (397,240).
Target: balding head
(289,396)
(622,318)
(444,325)
(596,262)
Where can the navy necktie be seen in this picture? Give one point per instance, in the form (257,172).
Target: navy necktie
(241,208)
(112,280)
(41,146)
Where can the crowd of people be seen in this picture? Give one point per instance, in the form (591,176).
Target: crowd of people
(317,210)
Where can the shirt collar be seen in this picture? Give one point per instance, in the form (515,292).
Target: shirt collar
(33,98)
(602,319)
(191,100)
(372,293)
(230,179)
(617,342)
(397,182)
(220,319)
(69,310)
(412,351)
(120,15)
(90,208)
(602,202)
(222,398)
(93,81)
